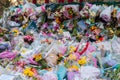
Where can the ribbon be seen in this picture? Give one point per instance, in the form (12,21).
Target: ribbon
(86,47)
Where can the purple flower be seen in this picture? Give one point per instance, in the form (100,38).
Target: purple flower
(32,61)
(45,25)
(7,54)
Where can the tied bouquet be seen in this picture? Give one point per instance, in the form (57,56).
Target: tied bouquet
(38,60)
(28,39)
(70,13)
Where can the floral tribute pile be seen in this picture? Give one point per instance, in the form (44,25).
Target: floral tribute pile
(60,42)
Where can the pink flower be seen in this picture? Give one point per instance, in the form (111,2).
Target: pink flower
(21,63)
(29,39)
(63,50)
(32,61)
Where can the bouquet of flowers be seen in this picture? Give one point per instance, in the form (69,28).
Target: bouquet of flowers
(106,14)
(70,13)
(93,10)
(84,13)
(28,39)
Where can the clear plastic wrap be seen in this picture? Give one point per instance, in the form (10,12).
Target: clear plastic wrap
(89,72)
(106,13)
(50,76)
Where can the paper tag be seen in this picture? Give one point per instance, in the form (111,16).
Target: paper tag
(67,34)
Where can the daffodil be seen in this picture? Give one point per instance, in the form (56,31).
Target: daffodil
(15,31)
(60,31)
(62,26)
(28,72)
(72,49)
(24,26)
(74,67)
(93,28)
(58,20)
(24,50)
(82,61)
(72,57)
(38,57)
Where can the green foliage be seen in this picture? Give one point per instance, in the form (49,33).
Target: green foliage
(113,74)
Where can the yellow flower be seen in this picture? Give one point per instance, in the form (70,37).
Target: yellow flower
(72,57)
(58,20)
(74,67)
(82,61)
(62,26)
(72,49)
(111,31)
(15,31)
(93,28)
(60,31)
(28,72)
(38,57)
(24,50)
(24,26)
(97,37)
